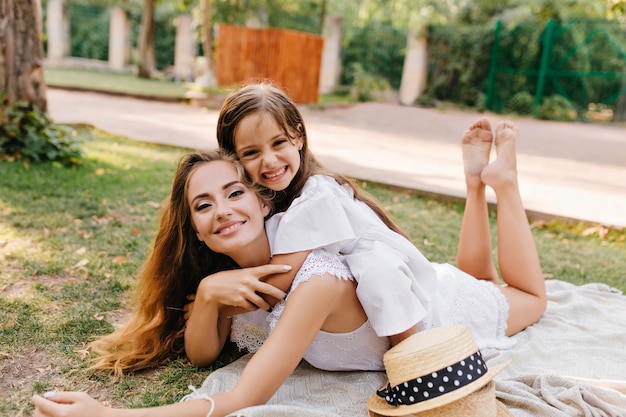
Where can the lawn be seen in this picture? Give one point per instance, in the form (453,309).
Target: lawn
(128,83)
(73,239)
(116,82)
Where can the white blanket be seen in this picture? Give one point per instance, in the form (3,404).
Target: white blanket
(561,366)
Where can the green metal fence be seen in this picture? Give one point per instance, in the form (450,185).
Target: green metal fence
(582,61)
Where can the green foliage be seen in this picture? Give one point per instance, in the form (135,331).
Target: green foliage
(89,31)
(364,84)
(556,107)
(458,62)
(521,103)
(379,49)
(27,133)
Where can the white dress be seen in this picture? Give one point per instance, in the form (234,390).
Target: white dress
(358,350)
(397,286)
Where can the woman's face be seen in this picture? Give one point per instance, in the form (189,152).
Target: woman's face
(269,156)
(227,216)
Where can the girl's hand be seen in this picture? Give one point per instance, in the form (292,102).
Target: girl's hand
(241,288)
(68,404)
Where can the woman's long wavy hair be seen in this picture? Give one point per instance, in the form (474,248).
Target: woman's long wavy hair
(264,97)
(174,268)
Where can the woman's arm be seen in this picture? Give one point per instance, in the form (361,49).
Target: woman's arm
(306,311)
(208,323)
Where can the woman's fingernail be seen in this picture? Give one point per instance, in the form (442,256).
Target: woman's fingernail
(49,394)
(287,267)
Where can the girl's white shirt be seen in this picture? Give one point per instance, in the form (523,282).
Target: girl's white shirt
(396,283)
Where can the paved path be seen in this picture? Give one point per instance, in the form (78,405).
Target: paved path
(567,170)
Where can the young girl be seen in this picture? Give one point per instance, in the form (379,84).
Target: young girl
(319,209)
(211,203)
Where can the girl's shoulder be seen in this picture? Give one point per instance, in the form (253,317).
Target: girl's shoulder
(322,184)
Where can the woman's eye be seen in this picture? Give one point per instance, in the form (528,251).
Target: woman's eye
(235,193)
(202,206)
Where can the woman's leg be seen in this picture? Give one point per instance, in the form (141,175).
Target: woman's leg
(517,254)
(474,252)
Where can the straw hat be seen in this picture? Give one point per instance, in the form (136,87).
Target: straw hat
(438,372)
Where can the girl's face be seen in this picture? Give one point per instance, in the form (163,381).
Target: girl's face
(227,216)
(269,156)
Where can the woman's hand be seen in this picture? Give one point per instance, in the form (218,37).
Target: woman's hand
(68,404)
(240,288)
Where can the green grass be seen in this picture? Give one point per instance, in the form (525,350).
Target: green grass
(72,240)
(127,83)
(115,82)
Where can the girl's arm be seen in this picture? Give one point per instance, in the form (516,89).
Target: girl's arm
(208,323)
(283,280)
(305,313)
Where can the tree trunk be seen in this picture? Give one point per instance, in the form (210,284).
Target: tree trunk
(147,62)
(21,52)
(619,113)
(207,35)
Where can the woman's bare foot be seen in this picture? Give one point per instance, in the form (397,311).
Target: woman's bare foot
(503,170)
(476,147)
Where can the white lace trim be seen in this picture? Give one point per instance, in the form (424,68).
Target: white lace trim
(247,335)
(503,309)
(318,263)
(250,335)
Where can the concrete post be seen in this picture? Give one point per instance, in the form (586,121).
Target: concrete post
(58,30)
(415,70)
(119,39)
(330,70)
(185,48)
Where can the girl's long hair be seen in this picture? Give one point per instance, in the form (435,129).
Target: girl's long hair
(264,97)
(174,268)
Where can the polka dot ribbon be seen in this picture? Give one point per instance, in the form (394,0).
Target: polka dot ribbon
(438,383)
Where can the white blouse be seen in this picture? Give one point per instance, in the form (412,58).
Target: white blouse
(360,349)
(395,281)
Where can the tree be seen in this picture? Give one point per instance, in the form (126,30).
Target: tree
(21,53)
(147,61)
(207,35)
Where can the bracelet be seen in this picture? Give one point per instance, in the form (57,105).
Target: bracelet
(204,396)
(212,401)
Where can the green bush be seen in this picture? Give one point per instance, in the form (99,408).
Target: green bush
(558,108)
(28,133)
(458,62)
(521,103)
(365,84)
(378,48)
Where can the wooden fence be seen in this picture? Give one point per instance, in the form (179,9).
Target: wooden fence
(288,58)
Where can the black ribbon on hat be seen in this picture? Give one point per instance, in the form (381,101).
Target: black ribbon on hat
(437,383)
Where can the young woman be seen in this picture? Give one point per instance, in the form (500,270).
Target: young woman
(217,207)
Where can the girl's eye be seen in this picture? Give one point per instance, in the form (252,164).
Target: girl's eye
(247,154)
(280,141)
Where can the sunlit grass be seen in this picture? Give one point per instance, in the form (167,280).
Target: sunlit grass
(119,82)
(73,239)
